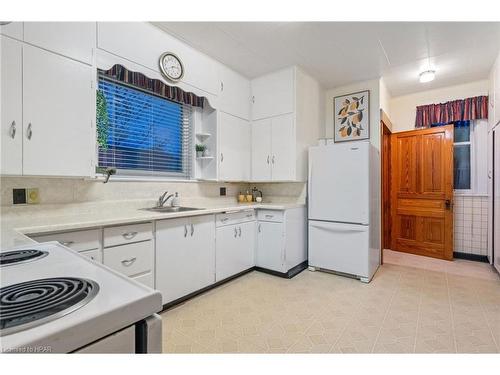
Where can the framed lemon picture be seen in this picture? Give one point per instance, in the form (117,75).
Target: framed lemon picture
(351,115)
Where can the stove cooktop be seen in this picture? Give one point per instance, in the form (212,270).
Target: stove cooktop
(31,303)
(20,256)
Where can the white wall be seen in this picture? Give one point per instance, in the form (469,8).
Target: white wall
(403,108)
(385,99)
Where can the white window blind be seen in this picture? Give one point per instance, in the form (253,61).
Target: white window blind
(146,135)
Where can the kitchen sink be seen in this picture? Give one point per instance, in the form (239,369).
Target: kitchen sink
(171,209)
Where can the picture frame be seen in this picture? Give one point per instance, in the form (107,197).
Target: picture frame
(351,116)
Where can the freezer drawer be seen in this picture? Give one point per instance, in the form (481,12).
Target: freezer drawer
(340,247)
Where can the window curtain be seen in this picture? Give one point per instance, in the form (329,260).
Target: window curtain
(456,110)
(121,74)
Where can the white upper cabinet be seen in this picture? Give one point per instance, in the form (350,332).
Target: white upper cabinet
(234,148)
(75,40)
(234,97)
(282,130)
(144,43)
(57,115)
(283,158)
(273,94)
(13,29)
(261,150)
(11,107)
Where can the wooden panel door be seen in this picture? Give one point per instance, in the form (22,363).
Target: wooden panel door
(422,192)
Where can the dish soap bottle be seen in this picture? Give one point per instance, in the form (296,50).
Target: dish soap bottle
(176,200)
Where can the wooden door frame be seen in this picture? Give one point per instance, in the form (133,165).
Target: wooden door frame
(385,178)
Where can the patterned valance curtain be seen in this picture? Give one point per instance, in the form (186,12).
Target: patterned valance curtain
(456,110)
(156,86)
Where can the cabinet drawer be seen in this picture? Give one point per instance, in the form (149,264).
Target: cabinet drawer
(270,215)
(127,234)
(80,241)
(131,259)
(95,255)
(234,217)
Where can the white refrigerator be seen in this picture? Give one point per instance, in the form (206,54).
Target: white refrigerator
(341,236)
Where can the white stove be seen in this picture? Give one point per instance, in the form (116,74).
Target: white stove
(55,300)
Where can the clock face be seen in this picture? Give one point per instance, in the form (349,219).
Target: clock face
(171,66)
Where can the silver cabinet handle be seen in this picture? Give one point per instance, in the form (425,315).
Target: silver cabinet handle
(29,131)
(267,159)
(239,230)
(192,230)
(253,98)
(272,160)
(224,219)
(269,216)
(235,232)
(129,235)
(221,157)
(67,243)
(128,262)
(12,131)
(249,215)
(259,228)
(185,230)
(222,86)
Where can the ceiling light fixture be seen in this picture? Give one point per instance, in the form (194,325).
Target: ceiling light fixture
(427,76)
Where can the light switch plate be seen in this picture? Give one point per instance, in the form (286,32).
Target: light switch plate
(33,196)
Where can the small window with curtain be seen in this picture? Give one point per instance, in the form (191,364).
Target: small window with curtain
(142,134)
(462,155)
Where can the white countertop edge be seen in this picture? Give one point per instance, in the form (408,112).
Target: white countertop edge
(19,233)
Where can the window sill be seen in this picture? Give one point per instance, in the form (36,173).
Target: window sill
(115,178)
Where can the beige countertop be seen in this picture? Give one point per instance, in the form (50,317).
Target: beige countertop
(17,222)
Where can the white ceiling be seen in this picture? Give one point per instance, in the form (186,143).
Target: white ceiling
(338,53)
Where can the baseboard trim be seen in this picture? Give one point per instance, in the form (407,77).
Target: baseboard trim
(287,275)
(474,257)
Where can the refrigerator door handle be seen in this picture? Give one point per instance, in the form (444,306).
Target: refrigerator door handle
(336,227)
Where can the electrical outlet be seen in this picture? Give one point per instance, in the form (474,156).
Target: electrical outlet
(32,196)
(19,196)
(222,191)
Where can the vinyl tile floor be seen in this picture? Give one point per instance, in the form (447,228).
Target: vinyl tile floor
(413,305)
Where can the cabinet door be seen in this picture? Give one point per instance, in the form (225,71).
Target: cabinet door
(234,144)
(235,249)
(57,115)
(185,256)
(172,247)
(273,94)
(270,246)
(261,150)
(11,104)
(283,159)
(234,96)
(72,39)
(496,96)
(13,29)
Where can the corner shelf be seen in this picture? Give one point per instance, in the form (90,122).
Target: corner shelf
(203,135)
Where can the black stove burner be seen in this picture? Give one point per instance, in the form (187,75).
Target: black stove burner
(17,256)
(36,302)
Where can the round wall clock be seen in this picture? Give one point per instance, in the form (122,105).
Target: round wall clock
(171,66)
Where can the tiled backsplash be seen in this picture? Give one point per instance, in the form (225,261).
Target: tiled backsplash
(66,190)
(471,224)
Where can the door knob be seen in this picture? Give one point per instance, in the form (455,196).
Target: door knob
(447,204)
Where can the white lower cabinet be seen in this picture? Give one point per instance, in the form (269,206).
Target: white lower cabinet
(235,249)
(95,255)
(270,246)
(185,255)
(281,239)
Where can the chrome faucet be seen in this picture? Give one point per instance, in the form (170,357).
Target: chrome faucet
(163,199)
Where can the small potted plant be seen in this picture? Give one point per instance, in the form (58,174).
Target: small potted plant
(199,150)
